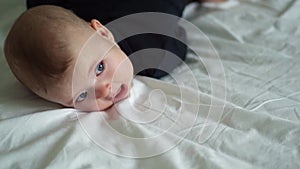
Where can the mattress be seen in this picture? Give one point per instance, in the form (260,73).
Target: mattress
(234,102)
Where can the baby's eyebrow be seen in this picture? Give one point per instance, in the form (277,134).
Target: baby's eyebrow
(97,61)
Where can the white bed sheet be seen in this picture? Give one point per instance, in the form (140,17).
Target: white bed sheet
(256,126)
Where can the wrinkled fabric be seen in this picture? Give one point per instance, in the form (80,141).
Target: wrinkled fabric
(179,121)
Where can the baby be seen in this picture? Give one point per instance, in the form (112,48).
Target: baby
(39,52)
(67,60)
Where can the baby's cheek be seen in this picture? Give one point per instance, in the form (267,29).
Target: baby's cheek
(87,105)
(124,71)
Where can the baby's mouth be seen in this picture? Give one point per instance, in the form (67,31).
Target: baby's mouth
(121,93)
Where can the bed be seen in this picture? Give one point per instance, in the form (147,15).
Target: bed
(237,109)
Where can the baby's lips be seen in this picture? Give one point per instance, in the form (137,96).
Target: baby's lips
(122,93)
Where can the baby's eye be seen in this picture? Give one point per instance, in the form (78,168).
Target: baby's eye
(99,68)
(81,97)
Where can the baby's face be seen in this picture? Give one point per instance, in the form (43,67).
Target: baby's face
(100,76)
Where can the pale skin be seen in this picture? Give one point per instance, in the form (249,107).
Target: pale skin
(108,86)
(100,75)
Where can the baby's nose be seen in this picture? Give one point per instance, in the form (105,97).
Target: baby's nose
(103,90)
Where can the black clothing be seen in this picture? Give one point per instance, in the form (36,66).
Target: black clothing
(107,12)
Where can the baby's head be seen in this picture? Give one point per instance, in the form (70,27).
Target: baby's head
(66,60)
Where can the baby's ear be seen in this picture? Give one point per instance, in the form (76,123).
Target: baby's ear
(101,29)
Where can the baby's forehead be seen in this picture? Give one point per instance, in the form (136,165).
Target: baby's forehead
(90,52)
